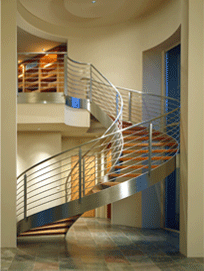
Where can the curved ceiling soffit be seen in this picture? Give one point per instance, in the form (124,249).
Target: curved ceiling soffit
(79,14)
(169,42)
(29,23)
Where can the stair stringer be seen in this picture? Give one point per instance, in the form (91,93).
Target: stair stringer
(99,199)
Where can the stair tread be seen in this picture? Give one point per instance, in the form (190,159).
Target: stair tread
(45,232)
(134,128)
(73,218)
(139,132)
(54,226)
(153,151)
(145,158)
(95,190)
(110,183)
(125,174)
(158,144)
(134,167)
(145,138)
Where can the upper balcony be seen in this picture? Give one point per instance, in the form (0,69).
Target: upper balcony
(42,90)
(41,76)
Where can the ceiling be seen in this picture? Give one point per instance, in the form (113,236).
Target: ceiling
(89,13)
(80,14)
(30,43)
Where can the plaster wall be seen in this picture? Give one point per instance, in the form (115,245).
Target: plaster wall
(52,113)
(33,148)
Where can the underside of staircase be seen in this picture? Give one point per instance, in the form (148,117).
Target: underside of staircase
(135,155)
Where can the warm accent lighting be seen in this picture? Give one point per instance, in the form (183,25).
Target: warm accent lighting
(47,65)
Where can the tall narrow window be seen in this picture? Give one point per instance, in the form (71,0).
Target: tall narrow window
(172,83)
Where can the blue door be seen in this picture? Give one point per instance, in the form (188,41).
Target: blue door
(172,181)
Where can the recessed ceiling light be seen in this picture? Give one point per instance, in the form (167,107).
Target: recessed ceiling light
(44,102)
(93,2)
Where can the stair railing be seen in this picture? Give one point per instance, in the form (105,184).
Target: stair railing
(85,82)
(45,184)
(45,181)
(41,72)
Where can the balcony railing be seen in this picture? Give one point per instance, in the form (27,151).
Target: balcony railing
(41,72)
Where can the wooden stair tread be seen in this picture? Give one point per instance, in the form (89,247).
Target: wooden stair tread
(134,167)
(139,133)
(95,190)
(54,226)
(134,128)
(45,232)
(125,175)
(145,158)
(110,183)
(145,138)
(153,151)
(73,218)
(158,144)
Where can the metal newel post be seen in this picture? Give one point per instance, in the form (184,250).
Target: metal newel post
(90,94)
(130,104)
(65,75)
(83,177)
(25,196)
(150,148)
(80,174)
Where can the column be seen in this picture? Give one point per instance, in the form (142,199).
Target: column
(192,133)
(8,122)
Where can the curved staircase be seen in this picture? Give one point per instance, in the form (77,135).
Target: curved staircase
(137,150)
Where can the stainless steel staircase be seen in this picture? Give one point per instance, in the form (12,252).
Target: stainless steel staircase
(137,150)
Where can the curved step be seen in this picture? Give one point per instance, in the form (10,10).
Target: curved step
(58,227)
(153,151)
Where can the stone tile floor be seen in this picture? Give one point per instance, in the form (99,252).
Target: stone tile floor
(95,244)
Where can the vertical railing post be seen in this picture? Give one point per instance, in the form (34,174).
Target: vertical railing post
(150,148)
(80,174)
(116,103)
(129,105)
(90,93)
(25,196)
(65,75)
(17,78)
(84,177)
